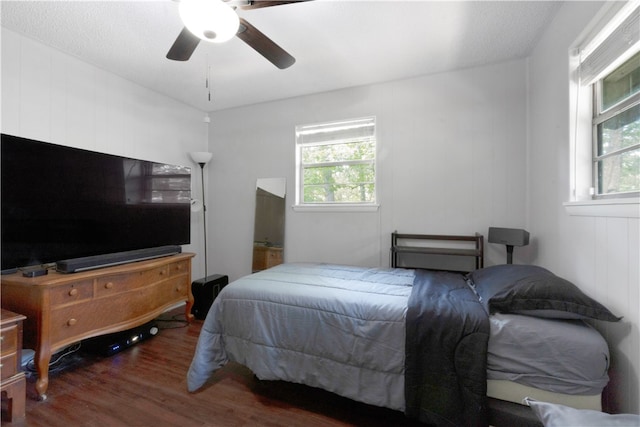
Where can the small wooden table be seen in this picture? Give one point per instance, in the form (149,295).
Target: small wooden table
(63,309)
(13,383)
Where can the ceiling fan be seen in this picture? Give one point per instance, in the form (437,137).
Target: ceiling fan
(217,21)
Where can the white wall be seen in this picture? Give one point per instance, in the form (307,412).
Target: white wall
(451,161)
(599,254)
(53,97)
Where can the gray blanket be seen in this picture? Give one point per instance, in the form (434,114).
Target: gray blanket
(446,352)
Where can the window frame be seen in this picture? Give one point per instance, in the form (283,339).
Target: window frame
(598,37)
(600,116)
(336,206)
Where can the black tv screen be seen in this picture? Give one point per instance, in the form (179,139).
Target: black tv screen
(61,203)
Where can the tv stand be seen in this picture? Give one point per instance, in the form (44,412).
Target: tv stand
(62,309)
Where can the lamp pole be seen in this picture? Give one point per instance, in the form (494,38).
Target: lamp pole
(204,219)
(202,158)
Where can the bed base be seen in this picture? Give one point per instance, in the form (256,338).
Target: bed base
(509,414)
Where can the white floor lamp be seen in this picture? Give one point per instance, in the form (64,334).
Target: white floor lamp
(202,158)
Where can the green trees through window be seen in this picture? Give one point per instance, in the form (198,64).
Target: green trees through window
(617,130)
(336,162)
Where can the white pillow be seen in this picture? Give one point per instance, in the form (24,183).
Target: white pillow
(553,415)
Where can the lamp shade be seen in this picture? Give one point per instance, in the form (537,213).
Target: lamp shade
(210,20)
(201,157)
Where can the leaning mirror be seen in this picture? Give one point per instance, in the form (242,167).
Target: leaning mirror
(268,232)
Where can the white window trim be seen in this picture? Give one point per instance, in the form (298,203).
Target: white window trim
(336,208)
(580,201)
(615,208)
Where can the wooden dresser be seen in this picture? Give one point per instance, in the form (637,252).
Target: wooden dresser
(266,257)
(12,383)
(62,309)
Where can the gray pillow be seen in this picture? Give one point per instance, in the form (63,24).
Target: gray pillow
(553,415)
(534,291)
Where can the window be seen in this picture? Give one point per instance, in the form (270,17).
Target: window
(616,130)
(604,118)
(336,163)
(609,67)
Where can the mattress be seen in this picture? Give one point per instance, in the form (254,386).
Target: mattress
(513,392)
(562,357)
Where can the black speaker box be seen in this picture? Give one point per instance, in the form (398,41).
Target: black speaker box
(204,291)
(108,345)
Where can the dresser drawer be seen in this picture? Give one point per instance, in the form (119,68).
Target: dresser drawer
(70,293)
(274,258)
(10,348)
(181,267)
(9,365)
(9,340)
(113,284)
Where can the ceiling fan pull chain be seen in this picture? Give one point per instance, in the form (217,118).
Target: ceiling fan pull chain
(208,78)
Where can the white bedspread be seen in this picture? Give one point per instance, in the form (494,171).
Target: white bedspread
(342,329)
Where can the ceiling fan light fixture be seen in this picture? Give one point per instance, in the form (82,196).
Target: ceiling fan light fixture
(209,20)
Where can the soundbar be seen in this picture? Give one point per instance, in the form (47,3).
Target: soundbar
(75,265)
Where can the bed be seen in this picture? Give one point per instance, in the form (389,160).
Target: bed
(446,348)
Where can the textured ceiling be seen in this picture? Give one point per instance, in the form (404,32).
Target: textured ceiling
(336,43)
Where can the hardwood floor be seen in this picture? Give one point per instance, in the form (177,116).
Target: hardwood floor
(146,386)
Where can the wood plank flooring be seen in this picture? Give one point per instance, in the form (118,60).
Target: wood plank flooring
(146,386)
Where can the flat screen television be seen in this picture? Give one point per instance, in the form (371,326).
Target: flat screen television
(62,203)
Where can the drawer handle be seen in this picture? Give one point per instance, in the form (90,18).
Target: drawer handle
(71,322)
(108,285)
(73,292)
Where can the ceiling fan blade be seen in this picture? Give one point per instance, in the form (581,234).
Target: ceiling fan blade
(257,4)
(184,46)
(264,45)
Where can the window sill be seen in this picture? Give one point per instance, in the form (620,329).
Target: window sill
(614,208)
(336,208)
